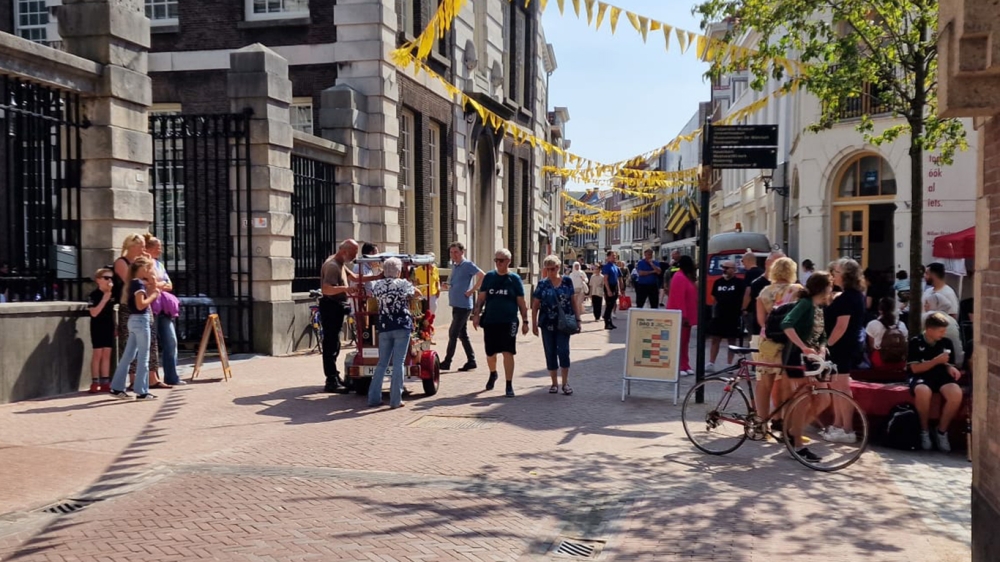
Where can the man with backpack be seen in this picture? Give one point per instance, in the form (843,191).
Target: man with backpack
(932,369)
(887,337)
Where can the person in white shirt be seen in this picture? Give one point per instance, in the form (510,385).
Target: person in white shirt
(597,291)
(580,284)
(947,300)
(877,328)
(808,267)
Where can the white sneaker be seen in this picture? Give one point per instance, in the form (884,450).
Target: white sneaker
(709,367)
(925,441)
(838,435)
(943,444)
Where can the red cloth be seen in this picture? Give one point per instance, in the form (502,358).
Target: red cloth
(957,245)
(685,353)
(877,363)
(877,399)
(683,296)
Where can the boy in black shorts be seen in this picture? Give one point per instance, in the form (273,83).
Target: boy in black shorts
(932,369)
(501,297)
(102,331)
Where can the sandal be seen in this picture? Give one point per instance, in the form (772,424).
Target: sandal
(161,384)
(567,390)
(554,389)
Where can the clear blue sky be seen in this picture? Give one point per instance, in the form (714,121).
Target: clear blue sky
(624,96)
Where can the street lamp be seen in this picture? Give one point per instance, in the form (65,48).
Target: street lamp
(768,177)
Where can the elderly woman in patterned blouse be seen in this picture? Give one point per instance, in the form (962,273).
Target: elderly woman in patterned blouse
(395,325)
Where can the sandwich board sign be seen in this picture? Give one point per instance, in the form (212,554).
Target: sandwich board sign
(652,348)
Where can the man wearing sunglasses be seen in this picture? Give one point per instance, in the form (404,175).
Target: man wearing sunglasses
(501,297)
(463,283)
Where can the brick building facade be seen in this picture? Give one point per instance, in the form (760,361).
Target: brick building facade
(969,86)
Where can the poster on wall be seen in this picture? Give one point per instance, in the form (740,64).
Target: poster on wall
(652,348)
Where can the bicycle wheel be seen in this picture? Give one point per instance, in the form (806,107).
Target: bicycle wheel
(814,412)
(718,424)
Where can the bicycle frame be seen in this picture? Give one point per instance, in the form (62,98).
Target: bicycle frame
(743,374)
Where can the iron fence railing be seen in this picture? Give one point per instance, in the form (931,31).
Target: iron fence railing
(314,208)
(39,192)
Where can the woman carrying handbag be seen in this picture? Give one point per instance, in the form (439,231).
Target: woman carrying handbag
(555,315)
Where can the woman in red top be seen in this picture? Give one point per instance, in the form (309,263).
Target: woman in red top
(683,296)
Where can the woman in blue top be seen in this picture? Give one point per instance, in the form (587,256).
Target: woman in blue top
(552,293)
(395,325)
(139,292)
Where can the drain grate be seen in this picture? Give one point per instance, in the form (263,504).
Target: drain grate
(454,422)
(67,506)
(578,548)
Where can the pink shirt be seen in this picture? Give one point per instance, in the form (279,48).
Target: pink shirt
(683,296)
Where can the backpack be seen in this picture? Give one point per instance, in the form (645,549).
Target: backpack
(903,429)
(894,346)
(782,306)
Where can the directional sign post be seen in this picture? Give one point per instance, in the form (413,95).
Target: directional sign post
(735,147)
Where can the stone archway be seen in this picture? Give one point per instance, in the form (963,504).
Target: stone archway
(863,195)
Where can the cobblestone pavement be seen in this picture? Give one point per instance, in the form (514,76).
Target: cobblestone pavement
(265,467)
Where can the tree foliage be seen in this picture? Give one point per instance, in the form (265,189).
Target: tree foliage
(885,49)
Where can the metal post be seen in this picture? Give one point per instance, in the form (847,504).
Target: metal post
(706,193)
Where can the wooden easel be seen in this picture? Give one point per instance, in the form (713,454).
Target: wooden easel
(213,326)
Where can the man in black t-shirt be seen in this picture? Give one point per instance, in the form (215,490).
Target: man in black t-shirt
(728,294)
(931,363)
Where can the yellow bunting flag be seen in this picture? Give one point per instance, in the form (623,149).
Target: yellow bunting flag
(633,19)
(562,6)
(643,27)
(576,7)
(590,10)
(601,8)
(615,12)
(681,39)
(654,25)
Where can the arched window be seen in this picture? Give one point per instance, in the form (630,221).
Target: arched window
(866,176)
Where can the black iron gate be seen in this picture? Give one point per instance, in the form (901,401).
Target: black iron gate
(314,206)
(201,196)
(39,192)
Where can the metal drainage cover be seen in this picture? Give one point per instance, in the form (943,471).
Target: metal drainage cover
(67,506)
(578,548)
(454,422)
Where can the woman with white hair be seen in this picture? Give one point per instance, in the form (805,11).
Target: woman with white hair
(553,298)
(395,325)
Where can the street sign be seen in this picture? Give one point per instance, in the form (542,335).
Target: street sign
(744,135)
(729,158)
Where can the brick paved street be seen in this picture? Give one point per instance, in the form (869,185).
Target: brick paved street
(265,467)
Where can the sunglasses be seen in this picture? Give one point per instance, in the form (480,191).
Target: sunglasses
(107,278)
(552,268)
(500,260)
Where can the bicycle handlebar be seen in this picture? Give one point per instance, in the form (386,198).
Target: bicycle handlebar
(825,368)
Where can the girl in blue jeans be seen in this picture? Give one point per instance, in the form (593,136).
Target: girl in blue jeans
(140,291)
(395,325)
(554,292)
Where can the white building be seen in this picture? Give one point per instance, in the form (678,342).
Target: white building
(844,197)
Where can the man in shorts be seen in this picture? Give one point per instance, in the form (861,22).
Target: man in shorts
(931,364)
(501,296)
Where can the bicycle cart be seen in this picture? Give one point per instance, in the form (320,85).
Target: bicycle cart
(422,362)
(719,414)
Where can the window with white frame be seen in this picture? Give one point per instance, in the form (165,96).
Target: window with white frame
(276,9)
(167,179)
(407,167)
(301,115)
(162,12)
(32,19)
(434,161)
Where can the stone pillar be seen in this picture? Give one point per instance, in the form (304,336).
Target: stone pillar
(116,148)
(258,81)
(343,118)
(364,32)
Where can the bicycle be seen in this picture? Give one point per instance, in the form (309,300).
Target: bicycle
(348,333)
(724,406)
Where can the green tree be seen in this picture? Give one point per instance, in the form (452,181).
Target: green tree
(886,49)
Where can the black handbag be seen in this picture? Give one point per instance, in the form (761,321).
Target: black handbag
(566,323)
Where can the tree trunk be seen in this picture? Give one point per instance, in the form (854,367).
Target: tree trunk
(914,325)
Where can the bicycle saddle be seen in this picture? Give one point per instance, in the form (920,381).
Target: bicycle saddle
(742,350)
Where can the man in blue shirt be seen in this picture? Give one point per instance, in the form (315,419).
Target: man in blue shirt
(463,284)
(647,285)
(612,288)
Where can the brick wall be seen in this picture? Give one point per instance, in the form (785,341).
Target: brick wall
(427,106)
(986,379)
(215,25)
(204,91)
